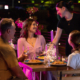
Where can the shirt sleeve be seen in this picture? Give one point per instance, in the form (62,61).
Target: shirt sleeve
(19,47)
(71,61)
(60,22)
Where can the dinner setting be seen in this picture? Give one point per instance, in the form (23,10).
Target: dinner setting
(39,40)
(46,60)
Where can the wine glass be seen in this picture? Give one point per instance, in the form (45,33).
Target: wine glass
(39,51)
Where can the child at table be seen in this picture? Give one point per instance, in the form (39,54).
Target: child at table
(74,57)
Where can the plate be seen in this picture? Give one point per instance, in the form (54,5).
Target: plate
(40,57)
(58,64)
(27,62)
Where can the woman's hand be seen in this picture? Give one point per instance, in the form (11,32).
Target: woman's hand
(25,55)
(42,54)
(22,57)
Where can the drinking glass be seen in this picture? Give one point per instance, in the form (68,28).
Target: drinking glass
(25,53)
(51,52)
(34,56)
(39,51)
(46,61)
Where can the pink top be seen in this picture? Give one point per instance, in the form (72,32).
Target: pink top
(24,45)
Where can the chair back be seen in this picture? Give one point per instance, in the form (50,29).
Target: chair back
(70,72)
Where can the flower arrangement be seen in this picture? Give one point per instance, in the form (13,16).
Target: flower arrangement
(32,10)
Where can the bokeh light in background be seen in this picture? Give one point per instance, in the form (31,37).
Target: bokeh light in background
(18,1)
(78,1)
(6,7)
(42,1)
(33,1)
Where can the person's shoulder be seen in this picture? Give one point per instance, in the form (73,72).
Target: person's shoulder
(6,50)
(21,39)
(4,46)
(61,21)
(74,55)
(40,36)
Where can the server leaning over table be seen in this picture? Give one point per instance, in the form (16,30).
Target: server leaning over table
(69,21)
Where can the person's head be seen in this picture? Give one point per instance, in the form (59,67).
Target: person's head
(29,25)
(7,28)
(74,39)
(62,7)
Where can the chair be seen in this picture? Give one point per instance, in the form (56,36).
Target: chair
(62,44)
(49,35)
(77,77)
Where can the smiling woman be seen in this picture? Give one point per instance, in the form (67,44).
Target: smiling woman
(31,42)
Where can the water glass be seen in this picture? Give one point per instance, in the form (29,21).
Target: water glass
(33,57)
(39,51)
(46,61)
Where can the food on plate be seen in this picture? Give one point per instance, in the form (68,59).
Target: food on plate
(58,62)
(41,57)
(34,61)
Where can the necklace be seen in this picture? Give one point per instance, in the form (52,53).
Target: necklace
(30,42)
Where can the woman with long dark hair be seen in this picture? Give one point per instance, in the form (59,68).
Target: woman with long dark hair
(69,21)
(29,40)
(34,44)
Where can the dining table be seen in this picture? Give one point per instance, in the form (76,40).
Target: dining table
(41,67)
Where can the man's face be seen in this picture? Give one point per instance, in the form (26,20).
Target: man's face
(11,31)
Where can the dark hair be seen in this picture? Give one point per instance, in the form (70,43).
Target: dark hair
(75,39)
(5,24)
(26,25)
(68,5)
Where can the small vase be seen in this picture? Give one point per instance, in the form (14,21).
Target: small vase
(30,17)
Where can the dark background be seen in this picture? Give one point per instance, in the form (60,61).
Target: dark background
(45,16)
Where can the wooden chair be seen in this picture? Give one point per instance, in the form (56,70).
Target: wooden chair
(62,44)
(70,72)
